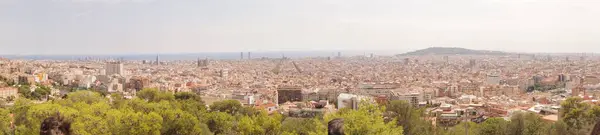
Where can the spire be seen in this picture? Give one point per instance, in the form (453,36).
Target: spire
(198,62)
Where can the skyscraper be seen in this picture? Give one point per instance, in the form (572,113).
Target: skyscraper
(157,60)
(206,62)
(472,63)
(249,56)
(339,54)
(241,55)
(446,59)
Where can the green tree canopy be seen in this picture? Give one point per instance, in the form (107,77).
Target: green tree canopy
(228,106)
(493,126)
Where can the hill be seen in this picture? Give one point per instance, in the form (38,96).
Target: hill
(451,51)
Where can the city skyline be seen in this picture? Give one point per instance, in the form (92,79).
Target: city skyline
(102,27)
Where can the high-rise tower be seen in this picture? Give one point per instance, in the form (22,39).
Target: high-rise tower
(157,60)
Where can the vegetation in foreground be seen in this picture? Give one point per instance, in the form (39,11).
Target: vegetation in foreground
(155,112)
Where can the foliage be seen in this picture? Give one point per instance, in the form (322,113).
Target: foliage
(228,106)
(220,122)
(93,114)
(463,127)
(154,95)
(4,121)
(492,126)
(526,124)
(300,126)
(367,120)
(534,125)
(38,93)
(188,96)
(579,116)
(409,118)
(154,112)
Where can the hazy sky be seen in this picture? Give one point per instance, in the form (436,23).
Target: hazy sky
(171,26)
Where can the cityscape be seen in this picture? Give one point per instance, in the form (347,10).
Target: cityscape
(303,67)
(451,86)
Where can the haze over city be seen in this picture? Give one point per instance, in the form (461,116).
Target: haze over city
(41,27)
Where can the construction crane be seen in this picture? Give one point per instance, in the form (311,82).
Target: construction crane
(297,67)
(277,68)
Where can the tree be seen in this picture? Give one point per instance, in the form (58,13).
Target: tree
(93,115)
(534,125)
(85,96)
(197,109)
(579,117)
(99,125)
(178,122)
(139,123)
(117,100)
(153,95)
(300,126)
(558,128)
(188,96)
(20,109)
(25,91)
(228,106)
(270,123)
(493,126)
(4,121)
(516,126)
(409,118)
(463,127)
(247,126)
(37,113)
(41,91)
(220,122)
(368,119)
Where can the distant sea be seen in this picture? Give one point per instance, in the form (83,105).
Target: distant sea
(209,55)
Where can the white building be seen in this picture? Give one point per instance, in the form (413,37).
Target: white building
(493,79)
(113,68)
(350,100)
(224,73)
